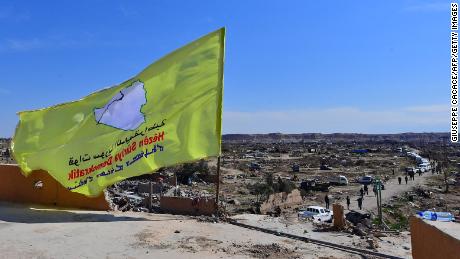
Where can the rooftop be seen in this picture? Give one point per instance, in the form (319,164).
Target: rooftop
(450,228)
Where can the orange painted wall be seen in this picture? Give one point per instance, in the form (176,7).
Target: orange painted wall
(188,206)
(15,187)
(428,242)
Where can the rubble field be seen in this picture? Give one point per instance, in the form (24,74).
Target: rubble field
(266,180)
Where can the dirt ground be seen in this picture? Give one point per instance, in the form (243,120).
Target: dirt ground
(396,245)
(392,188)
(41,232)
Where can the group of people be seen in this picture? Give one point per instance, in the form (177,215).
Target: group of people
(365,190)
(360,202)
(400,179)
(411,176)
(362,191)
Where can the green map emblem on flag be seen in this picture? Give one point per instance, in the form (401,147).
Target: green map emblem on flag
(169,113)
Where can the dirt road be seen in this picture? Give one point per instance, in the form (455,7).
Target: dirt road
(392,188)
(41,232)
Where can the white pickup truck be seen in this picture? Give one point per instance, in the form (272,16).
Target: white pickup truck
(316,213)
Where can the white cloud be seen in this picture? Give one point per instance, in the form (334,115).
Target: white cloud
(55,41)
(429,108)
(22,45)
(342,119)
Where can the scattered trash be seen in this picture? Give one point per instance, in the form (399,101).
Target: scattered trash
(436,216)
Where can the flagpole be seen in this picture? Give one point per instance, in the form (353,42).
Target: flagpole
(150,193)
(217,186)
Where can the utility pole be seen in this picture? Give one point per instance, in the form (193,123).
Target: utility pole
(378,184)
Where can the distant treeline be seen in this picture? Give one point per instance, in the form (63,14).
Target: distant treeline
(338,137)
(5,140)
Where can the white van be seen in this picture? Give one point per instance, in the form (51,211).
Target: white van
(339,180)
(425,167)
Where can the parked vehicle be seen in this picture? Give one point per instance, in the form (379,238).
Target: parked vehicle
(313,185)
(366,180)
(410,170)
(338,180)
(254,166)
(425,167)
(316,213)
(420,169)
(325,167)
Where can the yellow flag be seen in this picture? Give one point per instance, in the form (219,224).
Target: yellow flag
(169,113)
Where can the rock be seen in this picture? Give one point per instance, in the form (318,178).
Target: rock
(235,202)
(367,222)
(359,230)
(357,217)
(379,234)
(372,242)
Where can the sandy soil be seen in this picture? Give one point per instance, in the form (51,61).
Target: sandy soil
(392,188)
(40,232)
(397,245)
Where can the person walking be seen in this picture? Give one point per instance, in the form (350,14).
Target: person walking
(361,191)
(326,199)
(348,202)
(399,179)
(405,178)
(360,203)
(374,189)
(366,189)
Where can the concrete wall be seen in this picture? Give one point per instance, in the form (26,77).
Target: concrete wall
(282,200)
(430,242)
(145,187)
(188,206)
(339,217)
(15,187)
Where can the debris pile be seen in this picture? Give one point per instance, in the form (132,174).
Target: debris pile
(134,194)
(362,222)
(125,196)
(5,151)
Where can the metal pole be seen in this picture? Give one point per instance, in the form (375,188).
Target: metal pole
(378,188)
(150,193)
(380,202)
(377,197)
(217,185)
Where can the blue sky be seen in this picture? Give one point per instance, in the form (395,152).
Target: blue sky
(291,66)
